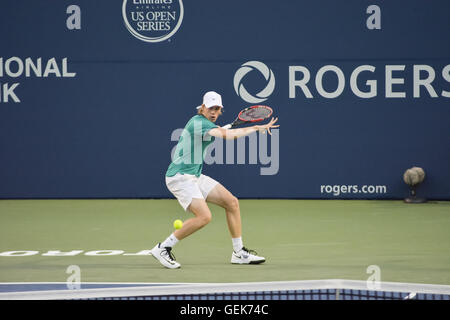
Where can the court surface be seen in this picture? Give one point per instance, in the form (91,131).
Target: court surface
(301,240)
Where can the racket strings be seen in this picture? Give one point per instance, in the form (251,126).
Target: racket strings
(255,113)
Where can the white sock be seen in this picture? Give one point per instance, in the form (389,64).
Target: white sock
(169,242)
(237,244)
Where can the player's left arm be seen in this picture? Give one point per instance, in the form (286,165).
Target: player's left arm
(229,134)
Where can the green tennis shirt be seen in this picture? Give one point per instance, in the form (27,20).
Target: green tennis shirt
(190,150)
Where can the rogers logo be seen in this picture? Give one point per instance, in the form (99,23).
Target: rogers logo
(242,92)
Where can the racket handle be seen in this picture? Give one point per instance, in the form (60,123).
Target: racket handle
(227,126)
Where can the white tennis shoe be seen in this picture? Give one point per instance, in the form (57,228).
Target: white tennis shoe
(165,256)
(246,256)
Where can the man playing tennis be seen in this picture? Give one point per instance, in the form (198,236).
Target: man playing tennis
(193,189)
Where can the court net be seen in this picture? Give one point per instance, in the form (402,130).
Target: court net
(334,289)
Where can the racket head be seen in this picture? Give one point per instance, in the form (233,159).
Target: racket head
(255,113)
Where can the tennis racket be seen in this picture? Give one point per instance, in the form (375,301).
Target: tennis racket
(251,114)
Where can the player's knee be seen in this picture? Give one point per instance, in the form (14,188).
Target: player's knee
(233,204)
(205,218)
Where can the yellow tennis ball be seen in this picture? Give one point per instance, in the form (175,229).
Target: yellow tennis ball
(178,224)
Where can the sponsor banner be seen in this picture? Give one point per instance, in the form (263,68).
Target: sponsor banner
(93,101)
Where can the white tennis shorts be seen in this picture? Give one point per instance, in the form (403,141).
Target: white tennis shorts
(186,187)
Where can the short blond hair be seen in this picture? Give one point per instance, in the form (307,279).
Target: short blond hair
(200,110)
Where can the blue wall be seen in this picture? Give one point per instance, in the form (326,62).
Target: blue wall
(106,132)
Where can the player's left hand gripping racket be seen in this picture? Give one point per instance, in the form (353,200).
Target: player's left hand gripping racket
(251,114)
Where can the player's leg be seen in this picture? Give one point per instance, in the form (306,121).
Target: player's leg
(220,196)
(186,190)
(163,251)
(202,216)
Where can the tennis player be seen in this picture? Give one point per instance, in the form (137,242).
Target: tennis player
(185,181)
